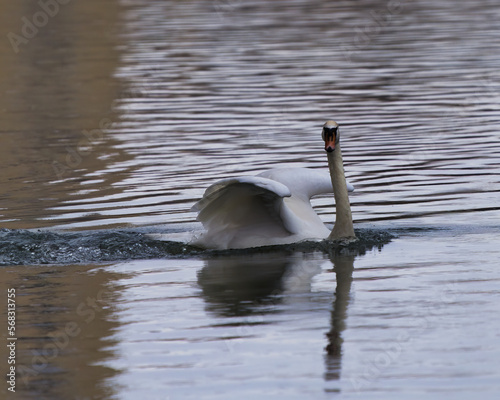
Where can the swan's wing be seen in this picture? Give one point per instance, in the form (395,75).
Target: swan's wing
(238,207)
(235,187)
(303,182)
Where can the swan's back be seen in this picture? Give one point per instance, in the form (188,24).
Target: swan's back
(302,182)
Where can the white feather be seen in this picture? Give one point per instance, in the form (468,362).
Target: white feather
(270,208)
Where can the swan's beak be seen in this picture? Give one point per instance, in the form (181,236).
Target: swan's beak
(329,145)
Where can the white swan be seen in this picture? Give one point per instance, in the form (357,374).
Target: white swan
(274,207)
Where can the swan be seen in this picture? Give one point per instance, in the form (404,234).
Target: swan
(274,206)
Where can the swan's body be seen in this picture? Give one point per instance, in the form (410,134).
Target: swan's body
(274,207)
(271,208)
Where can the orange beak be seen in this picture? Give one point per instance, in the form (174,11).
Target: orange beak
(329,145)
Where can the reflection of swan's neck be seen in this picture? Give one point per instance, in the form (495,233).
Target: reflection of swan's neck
(343,227)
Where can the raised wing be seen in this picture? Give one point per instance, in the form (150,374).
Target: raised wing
(234,209)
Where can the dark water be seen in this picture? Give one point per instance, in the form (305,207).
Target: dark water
(115,116)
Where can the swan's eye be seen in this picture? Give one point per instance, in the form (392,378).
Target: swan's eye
(329,133)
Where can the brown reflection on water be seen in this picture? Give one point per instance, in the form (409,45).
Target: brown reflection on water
(61,345)
(57,86)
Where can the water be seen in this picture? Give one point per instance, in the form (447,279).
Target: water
(117,116)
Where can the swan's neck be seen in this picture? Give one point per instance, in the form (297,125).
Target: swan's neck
(343,228)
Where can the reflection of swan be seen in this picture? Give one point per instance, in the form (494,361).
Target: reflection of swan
(274,207)
(238,284)
(242,283)
(343,266)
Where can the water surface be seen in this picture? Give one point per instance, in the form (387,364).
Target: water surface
(117,116)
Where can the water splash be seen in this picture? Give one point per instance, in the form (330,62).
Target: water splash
(23,247)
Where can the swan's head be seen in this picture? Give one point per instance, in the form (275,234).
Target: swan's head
(330,135)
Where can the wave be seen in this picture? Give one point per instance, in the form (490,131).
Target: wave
(25,247)
(22,247)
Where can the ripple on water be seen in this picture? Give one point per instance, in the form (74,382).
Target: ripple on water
(205,90)
(418,112)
